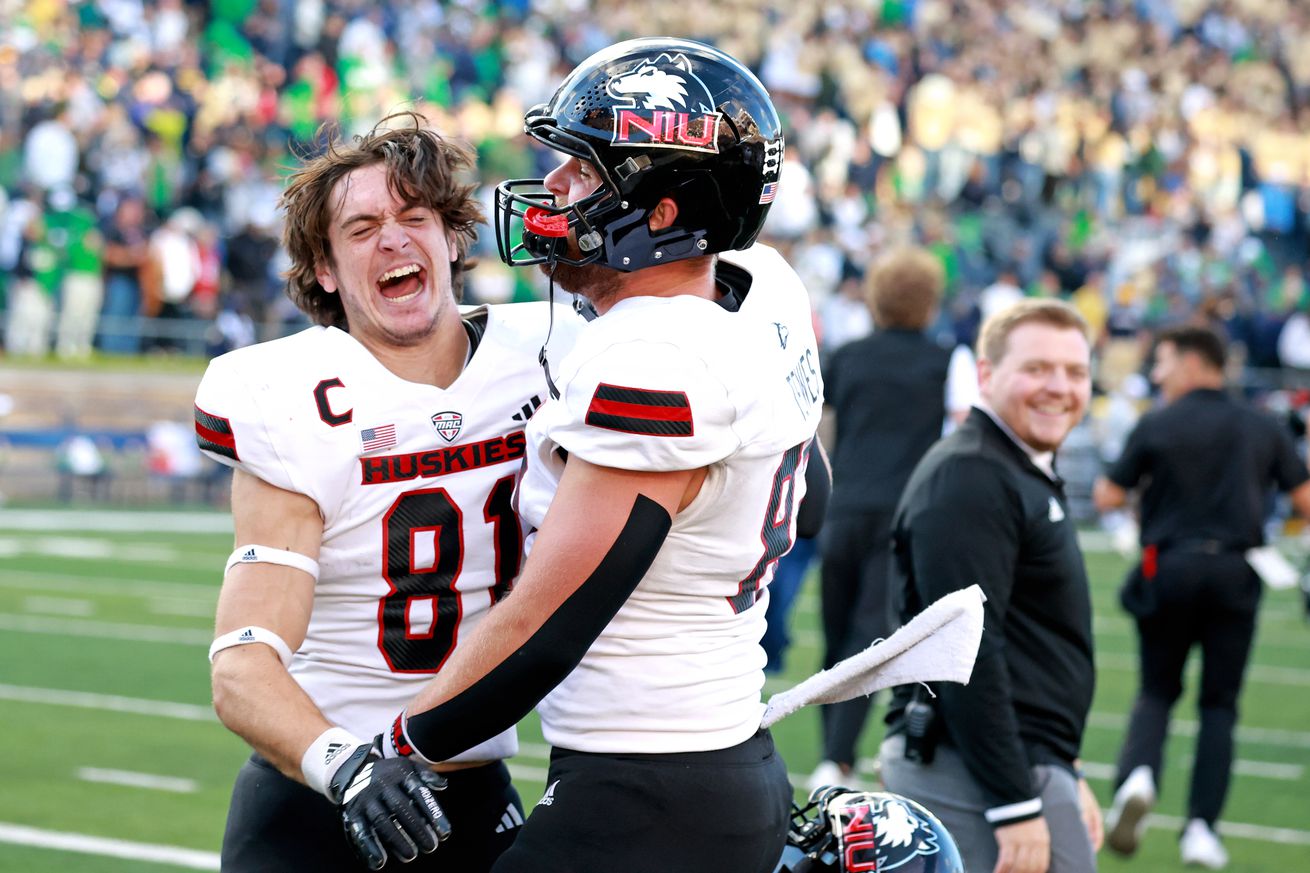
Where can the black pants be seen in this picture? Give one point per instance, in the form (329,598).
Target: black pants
(724,811)
(275,824)
(857,609)
(1208,600)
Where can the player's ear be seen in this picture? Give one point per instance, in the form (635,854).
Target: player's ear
(323,273)
(663,215)
(452,243)
(984,375)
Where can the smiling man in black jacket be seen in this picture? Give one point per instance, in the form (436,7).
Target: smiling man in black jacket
(997,759)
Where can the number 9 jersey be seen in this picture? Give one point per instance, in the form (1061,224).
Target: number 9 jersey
(681,383)
(415,486)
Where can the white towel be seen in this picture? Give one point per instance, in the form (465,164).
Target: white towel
(939,644)
(1269,564)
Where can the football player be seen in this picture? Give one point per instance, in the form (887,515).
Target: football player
(375,457)
(663,481)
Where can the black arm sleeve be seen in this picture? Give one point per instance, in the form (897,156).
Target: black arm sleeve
(509,691)
(818,488)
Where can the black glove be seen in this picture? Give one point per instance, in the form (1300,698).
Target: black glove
(388,806)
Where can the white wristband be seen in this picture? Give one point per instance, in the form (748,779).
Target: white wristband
(325,756)
(251,634)
(270,555)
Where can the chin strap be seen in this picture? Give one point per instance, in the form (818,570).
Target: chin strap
(550,306)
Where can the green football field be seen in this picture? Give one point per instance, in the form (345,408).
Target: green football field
(113,760)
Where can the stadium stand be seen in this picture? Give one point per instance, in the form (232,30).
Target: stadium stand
(1147,160)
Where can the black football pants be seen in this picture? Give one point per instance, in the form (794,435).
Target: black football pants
(724,811)
(277,825)
(857,608)
(1205,600)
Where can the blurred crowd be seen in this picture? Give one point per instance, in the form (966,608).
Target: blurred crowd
(1147,159)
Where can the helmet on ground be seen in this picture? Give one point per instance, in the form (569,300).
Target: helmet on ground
(845,831)
(657,117)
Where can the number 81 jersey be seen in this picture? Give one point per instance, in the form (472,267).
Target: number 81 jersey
(415,484)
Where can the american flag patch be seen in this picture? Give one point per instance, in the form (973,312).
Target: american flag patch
(769,191)
(637,410)
(378,438)
(214,434)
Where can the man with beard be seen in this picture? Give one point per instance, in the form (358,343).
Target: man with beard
(663,479)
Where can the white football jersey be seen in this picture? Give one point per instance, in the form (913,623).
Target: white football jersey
(415,484)
(677,383)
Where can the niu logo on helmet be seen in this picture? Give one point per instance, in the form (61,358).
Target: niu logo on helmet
(668,106)
(882,835)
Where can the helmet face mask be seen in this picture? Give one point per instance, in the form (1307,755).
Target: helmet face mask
(845,831)
(656,118)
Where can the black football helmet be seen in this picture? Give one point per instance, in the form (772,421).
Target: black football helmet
(846,831)
(657,117)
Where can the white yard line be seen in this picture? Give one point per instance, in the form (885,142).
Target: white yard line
(531,774)
(1269,770)
(1105,771)
(22,580)
(115,521)
(1188,728)
(1298,677)
(95,548)
(175,784)
(110,702)
(61,606)
(1259,833)
(184,607)
(192,859)
(105,630)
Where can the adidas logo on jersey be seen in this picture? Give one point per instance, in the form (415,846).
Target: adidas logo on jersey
(249,556)
(510,820)
(548,799)
(1054,512)
(247,636)
(528,409)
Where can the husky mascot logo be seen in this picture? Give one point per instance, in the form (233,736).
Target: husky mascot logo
(667,106)
(880,832)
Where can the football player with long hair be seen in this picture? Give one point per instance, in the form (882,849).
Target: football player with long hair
(375,457)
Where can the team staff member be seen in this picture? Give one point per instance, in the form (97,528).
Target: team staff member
(887,396)
(375,460)
(1208,462)
(997,759)
(664,481)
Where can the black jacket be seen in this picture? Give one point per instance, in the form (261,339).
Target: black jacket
(889,393)
(977,510)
